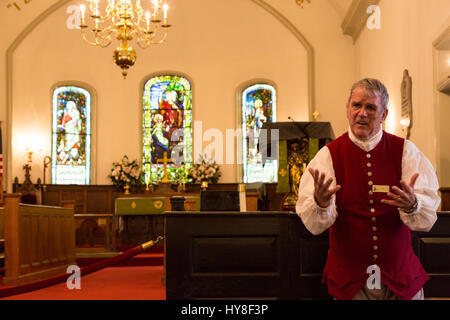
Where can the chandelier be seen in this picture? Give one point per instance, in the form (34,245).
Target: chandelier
(125,21)
(300,2)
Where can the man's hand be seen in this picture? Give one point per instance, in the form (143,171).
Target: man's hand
(403,198)
(322,191)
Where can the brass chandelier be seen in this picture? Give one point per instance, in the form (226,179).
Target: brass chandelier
(125,21)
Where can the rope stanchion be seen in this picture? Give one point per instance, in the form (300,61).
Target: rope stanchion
(5,292)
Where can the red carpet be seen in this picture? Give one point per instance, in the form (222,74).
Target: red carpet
(136,278)
(114,283)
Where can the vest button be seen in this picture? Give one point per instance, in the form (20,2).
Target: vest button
(369,164)
(368,155)
(374,219)
(370,201)
(370,183)
(375,247)
(374,228)
(375,238)
(369,174)
(372,210)
(375,257)
(371,192)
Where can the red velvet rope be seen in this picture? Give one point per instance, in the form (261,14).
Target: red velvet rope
(9,291)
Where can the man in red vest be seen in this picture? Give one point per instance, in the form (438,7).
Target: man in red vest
(370,188)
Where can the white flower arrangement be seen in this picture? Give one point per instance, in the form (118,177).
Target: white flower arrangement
(126,172)
(205,170)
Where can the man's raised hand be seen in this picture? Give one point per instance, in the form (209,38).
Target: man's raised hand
(322,191)
(403,198)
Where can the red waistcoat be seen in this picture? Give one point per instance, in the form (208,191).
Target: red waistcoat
(366,231)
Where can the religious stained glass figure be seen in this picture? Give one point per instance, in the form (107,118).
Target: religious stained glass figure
(71,135)
(258,107)
(297,160)
(167,127)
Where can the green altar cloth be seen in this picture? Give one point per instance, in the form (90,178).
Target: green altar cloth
(140,206)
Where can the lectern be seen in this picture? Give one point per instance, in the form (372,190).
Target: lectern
(297,144)
(291,131)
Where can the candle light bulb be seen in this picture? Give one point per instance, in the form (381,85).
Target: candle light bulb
(155,6)
(147,17)
(82,8)
(165,12)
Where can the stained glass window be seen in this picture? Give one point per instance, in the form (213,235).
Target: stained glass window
(71,135)
(167,128)
(258,107)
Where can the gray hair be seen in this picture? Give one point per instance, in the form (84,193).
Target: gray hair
(373,86)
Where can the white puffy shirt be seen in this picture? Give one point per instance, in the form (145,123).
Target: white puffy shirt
(317,219)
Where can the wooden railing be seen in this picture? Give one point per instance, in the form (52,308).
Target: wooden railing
(39,241)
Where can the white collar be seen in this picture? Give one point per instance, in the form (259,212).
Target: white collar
(366,145)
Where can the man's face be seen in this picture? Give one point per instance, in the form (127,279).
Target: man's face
(365,113)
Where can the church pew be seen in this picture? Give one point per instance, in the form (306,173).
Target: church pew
(93,232)
(270,255)
(445,198)
(39,241)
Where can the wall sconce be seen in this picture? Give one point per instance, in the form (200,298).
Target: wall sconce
(405,123)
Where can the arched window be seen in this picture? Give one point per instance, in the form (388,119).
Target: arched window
(258,106)
(71,135)
(167,127)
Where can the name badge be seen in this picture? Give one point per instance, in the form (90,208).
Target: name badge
(380,188)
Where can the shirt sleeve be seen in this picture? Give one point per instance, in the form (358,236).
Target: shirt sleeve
(426,189)
(315,218)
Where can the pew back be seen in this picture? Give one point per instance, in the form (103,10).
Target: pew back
(39,241)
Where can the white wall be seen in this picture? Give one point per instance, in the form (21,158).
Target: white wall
(218,45)
(405,41)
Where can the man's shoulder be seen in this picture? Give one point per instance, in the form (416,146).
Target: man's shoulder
(342,138)
(392,136)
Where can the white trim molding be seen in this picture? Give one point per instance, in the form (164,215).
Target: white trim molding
(356,17)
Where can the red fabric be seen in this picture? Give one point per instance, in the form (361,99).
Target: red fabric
(351,236)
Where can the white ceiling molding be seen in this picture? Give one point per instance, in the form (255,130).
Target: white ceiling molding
(444,85)
(356,17)
(443,42)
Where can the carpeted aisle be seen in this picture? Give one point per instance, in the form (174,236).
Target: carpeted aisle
(133,282)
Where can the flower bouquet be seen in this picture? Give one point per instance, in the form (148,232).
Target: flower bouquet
(126,173)
(205,170)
